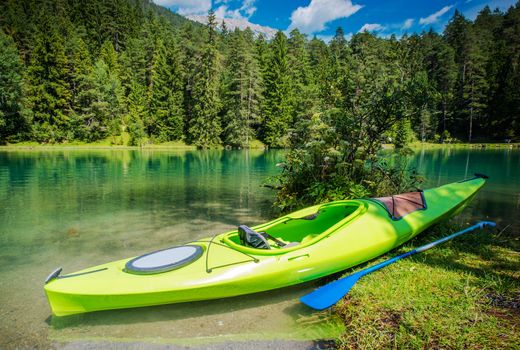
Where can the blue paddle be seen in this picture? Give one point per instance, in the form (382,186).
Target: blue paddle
(331,293)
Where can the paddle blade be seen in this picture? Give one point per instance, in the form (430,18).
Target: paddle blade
(328,295)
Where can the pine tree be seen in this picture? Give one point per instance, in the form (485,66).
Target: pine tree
(440,64)
(101,98)
(423,98)
(134,64)
(241,90)
(190,58)
(117,22)
(12,120)
(49,92)
(509,118)
(504,105)
(457,36)
(377,96)
(109,55)
(321,62)
(303,92)
(262,53)
(16,22)
(338,75)
(277,105)
(166,94)
(475,88)
(204,124)
(134,124)
(80,66)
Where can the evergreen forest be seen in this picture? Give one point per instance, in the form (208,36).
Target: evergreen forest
(135,73)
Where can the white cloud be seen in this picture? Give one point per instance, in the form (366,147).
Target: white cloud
(314,17)
(371,27)
(434,17)
(201,7)
(326,38)
(187,7)
(407,24)
(248,6)
(246,10)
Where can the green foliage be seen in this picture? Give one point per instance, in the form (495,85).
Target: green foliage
(403,133)
(277,91)
(303,90)
(325,166)
(165,94)
(440,64)
(109,55)
(49,93)
(12,120)
(136,114)
(100,98)
(204,125)
(213,88)
(241,91)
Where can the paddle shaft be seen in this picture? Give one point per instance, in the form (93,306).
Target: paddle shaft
(421,249)
(329,294)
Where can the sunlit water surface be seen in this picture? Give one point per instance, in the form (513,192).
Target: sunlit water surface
(78,208)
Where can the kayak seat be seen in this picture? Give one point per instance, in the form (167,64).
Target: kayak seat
(251,238)
(260,240)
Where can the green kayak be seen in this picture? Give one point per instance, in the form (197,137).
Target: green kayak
(298,247)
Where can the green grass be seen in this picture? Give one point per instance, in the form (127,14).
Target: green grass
(419,145)
(430,145)
(117,142)
(112,142)
(460,295)
(256,144)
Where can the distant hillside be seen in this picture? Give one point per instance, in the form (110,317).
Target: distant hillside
(241,24)
(174,18)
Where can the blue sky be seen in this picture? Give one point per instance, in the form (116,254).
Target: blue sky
(322,17)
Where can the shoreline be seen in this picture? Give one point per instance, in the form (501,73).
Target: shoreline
(482,145)
(256,146)
(174,145)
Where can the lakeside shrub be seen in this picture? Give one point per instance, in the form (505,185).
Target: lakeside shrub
(325,165)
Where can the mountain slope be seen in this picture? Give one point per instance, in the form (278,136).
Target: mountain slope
(241,24)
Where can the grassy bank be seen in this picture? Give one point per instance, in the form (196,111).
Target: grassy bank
(108,144)
(463,294)
(429,145)
(255,144)
(93,145)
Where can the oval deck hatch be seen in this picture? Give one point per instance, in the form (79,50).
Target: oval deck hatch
(164,260)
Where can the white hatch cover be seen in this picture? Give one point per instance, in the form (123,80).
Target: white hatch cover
(164,260)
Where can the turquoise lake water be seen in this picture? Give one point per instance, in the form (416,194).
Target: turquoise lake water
(78,208)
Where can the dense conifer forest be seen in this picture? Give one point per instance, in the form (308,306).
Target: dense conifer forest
(134,73)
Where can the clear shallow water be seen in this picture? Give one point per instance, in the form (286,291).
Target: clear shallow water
(78,208)
(499,199)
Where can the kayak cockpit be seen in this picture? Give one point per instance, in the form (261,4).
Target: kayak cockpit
(293,232)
